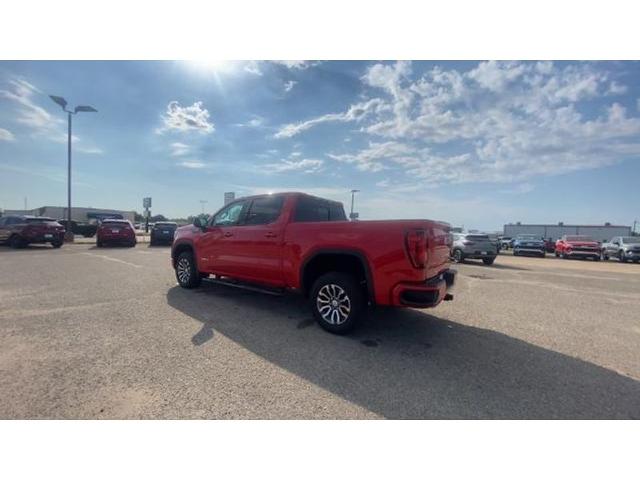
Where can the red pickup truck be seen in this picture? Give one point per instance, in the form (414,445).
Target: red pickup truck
(294,241)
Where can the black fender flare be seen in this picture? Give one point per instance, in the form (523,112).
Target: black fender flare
(362,258)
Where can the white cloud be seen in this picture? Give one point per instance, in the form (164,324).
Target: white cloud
(6,135)
(37,119)
(499,122)
(29,113)
(252,67)
(371,158)
(192,164)
(179,149)
(89,150)
(289,85)
(295,64)
(494,75)
(305,165)
(616,89)
(355,112)
(183,119)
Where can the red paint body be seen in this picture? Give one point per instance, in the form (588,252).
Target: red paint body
(277,254)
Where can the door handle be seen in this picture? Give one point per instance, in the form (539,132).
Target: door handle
(228,234)
(270,235)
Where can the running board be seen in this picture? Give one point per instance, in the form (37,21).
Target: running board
(269,291)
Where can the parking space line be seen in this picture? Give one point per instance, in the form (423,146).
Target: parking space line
(111,259)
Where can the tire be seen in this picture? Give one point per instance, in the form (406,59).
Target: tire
(56,244)
(488,261)
(557,254)
(337,302)
(515,252)
(16,242)
(458,256)
(132,244)
(597,259)
(622,257)
(187,273)
(99,243)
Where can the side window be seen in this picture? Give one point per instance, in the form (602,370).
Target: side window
(264,210)
(336,212)
(229,215)
(311,210)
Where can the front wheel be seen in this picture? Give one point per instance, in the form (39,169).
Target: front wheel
(337,302)
(186,271)
(488,261)
(17,242)
(56,244)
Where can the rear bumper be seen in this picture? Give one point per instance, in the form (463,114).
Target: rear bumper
(581,253)
(425,294)
(45,237)
(533,250)
(117,238)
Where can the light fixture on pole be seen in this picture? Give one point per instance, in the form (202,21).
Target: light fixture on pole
(353,215)
(80,108)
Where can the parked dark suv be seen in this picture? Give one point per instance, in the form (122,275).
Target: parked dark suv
(116,231)
(87,230)
(20,231)
(162,233)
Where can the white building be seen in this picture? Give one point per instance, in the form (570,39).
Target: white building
(78,214)
(597,232)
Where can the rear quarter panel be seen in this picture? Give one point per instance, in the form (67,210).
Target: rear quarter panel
(380,243)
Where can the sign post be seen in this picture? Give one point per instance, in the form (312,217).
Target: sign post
(146,203)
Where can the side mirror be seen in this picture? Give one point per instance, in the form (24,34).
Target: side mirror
(200,222)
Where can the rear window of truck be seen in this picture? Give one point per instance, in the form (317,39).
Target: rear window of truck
(309,209)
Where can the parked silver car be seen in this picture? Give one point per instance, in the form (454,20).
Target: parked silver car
(623,248)
(473,245)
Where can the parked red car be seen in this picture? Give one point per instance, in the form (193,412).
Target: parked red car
(578,246)
(20,231)
(298,242)
(116,231)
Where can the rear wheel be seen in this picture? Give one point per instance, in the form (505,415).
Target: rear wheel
(186,271)
(488,261)
(337,302)
(56,244)
(622,257)
(458,257)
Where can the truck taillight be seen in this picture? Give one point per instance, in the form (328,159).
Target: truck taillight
(416,244)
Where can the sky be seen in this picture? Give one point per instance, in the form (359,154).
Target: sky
(477,144)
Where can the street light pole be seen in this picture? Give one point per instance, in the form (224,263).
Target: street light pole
(69,232)
(353,192)
(202,202)
(80,108)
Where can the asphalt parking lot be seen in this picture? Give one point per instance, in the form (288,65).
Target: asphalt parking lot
(107,333)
